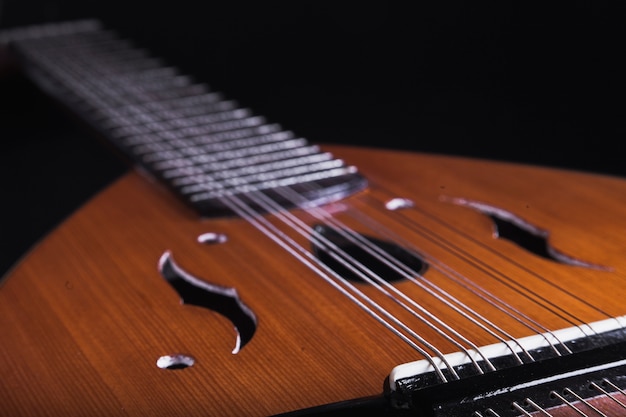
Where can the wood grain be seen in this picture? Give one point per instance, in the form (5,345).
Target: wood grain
(85,316)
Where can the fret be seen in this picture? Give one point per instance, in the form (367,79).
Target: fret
(76,88)
(69,68)
(166,109)
(225,153)
(183,102)
(86,27)
(314,177)
(263,153)
(245,185)
(263,143)
(256,142)
(119,87)
(202,145)
(101,48)
(149,75)
(225,135)
(171,114)
(112,58)
(251,160)
(222,171)
(226,169)
(210,117)
(187,132)
(116,64)
(180,123)
(241,153)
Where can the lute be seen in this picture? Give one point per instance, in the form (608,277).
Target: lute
(241,270)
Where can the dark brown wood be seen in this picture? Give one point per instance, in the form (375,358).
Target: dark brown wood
(85,316)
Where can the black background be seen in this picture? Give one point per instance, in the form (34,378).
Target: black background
(518,82)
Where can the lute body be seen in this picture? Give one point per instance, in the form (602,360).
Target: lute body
(91,315)
(86,315)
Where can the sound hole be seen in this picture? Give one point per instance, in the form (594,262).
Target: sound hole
(223,300)
(385,259)
(528,236)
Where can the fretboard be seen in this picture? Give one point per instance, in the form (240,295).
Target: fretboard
(205,147)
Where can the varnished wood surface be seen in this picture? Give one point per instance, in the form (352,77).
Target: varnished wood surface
(86,314)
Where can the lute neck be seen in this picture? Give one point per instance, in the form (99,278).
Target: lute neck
(203,146)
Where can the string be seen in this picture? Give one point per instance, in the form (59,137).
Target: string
(582,400)
(365,273)
(515,263)
(420,281)
(567,403)
(483,294)
(486,267)
(520,409)
(510,283)
(534,329)
(352,261)
(537,407)
(354,237)
(243,210)
(609,395)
